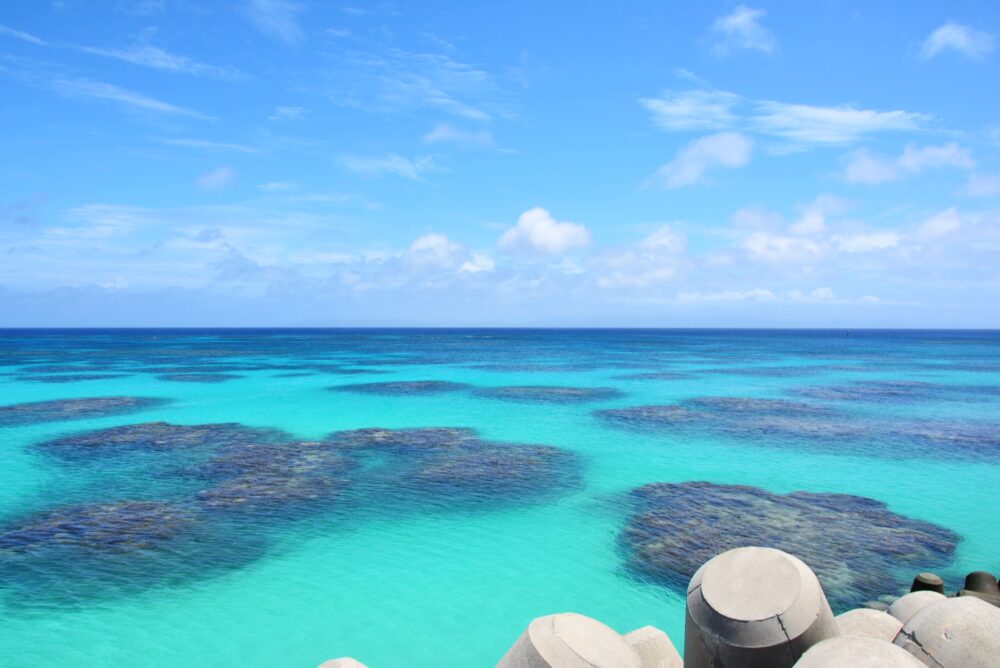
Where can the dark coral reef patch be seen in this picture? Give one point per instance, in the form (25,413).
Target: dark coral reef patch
(549,394)
(856,546)
(198,377)
(156,436)
(58,410)
(403,388)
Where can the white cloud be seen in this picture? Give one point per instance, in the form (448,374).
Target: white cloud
(828,125)
(742,29)
(447,133)
(537,230)
(756,294)
(702,108)
(478,264)
(276,19)
(213,145)
(725,149)
(982,185)
(940,224)
(777,249)
(434,250)
(216,178)
(693,110)
(864,167)
(655,259)
(286,113)
(154,57)
(277,186)
(105,91)
(388,164)
(868,242)
(812,222)
(970,42)
(23,36)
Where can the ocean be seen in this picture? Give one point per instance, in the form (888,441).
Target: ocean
(415,497)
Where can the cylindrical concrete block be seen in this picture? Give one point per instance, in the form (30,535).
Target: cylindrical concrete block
(954,633)
(856,652)
(343,662)
(868,623)
(907,606)
(654,647)
(754,606)
(982,582)
(927,582)
(569,640)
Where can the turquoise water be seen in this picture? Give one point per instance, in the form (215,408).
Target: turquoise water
(451,578)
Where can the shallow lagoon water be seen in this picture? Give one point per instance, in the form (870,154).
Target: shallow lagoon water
(447,582)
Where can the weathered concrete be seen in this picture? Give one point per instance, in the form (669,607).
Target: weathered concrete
(954,633)
(569,640)
(343,662)
(856,652)
(927,582)
(868,623)
(754,606)
(654,647)
(982,582)
(909,605)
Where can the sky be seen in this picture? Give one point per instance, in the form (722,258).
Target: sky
(544,164)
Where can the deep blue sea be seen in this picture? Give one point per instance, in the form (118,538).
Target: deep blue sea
(415,497)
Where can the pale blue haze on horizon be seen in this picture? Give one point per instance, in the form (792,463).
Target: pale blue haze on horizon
(673,164)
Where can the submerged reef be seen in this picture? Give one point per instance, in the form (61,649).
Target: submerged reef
(403,388)
(67,377)
(58,410)
(855,544)
(549,394)
(899,391)
(795,424)
(72,555)
(155,436)
(199,377)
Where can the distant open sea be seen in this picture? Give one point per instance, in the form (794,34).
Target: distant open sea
(281,536)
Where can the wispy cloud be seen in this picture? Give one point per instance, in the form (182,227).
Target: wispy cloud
(742,30)
(211,145)
(216,178)
(797,123)
(388,164)
(725,149)
(392,80)
(23,36)
(277,19)
(445,133)
(146,55)
(99,90)
(969,42)
(285,113)
(864,167)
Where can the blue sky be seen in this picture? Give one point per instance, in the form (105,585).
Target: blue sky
(268,162)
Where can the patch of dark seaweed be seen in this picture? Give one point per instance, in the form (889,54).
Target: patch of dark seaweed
(68,377)
(764,371)
(548,394)
(657,375)
(403,388)
(157,436)
(58,410)
(198,377)
(855,545)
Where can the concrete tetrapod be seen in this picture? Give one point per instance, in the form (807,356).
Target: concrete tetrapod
(343,662)
(569,640)
(868,623)
(954,633)
(905,607)
(856,652)
(654,647)
(754,606)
